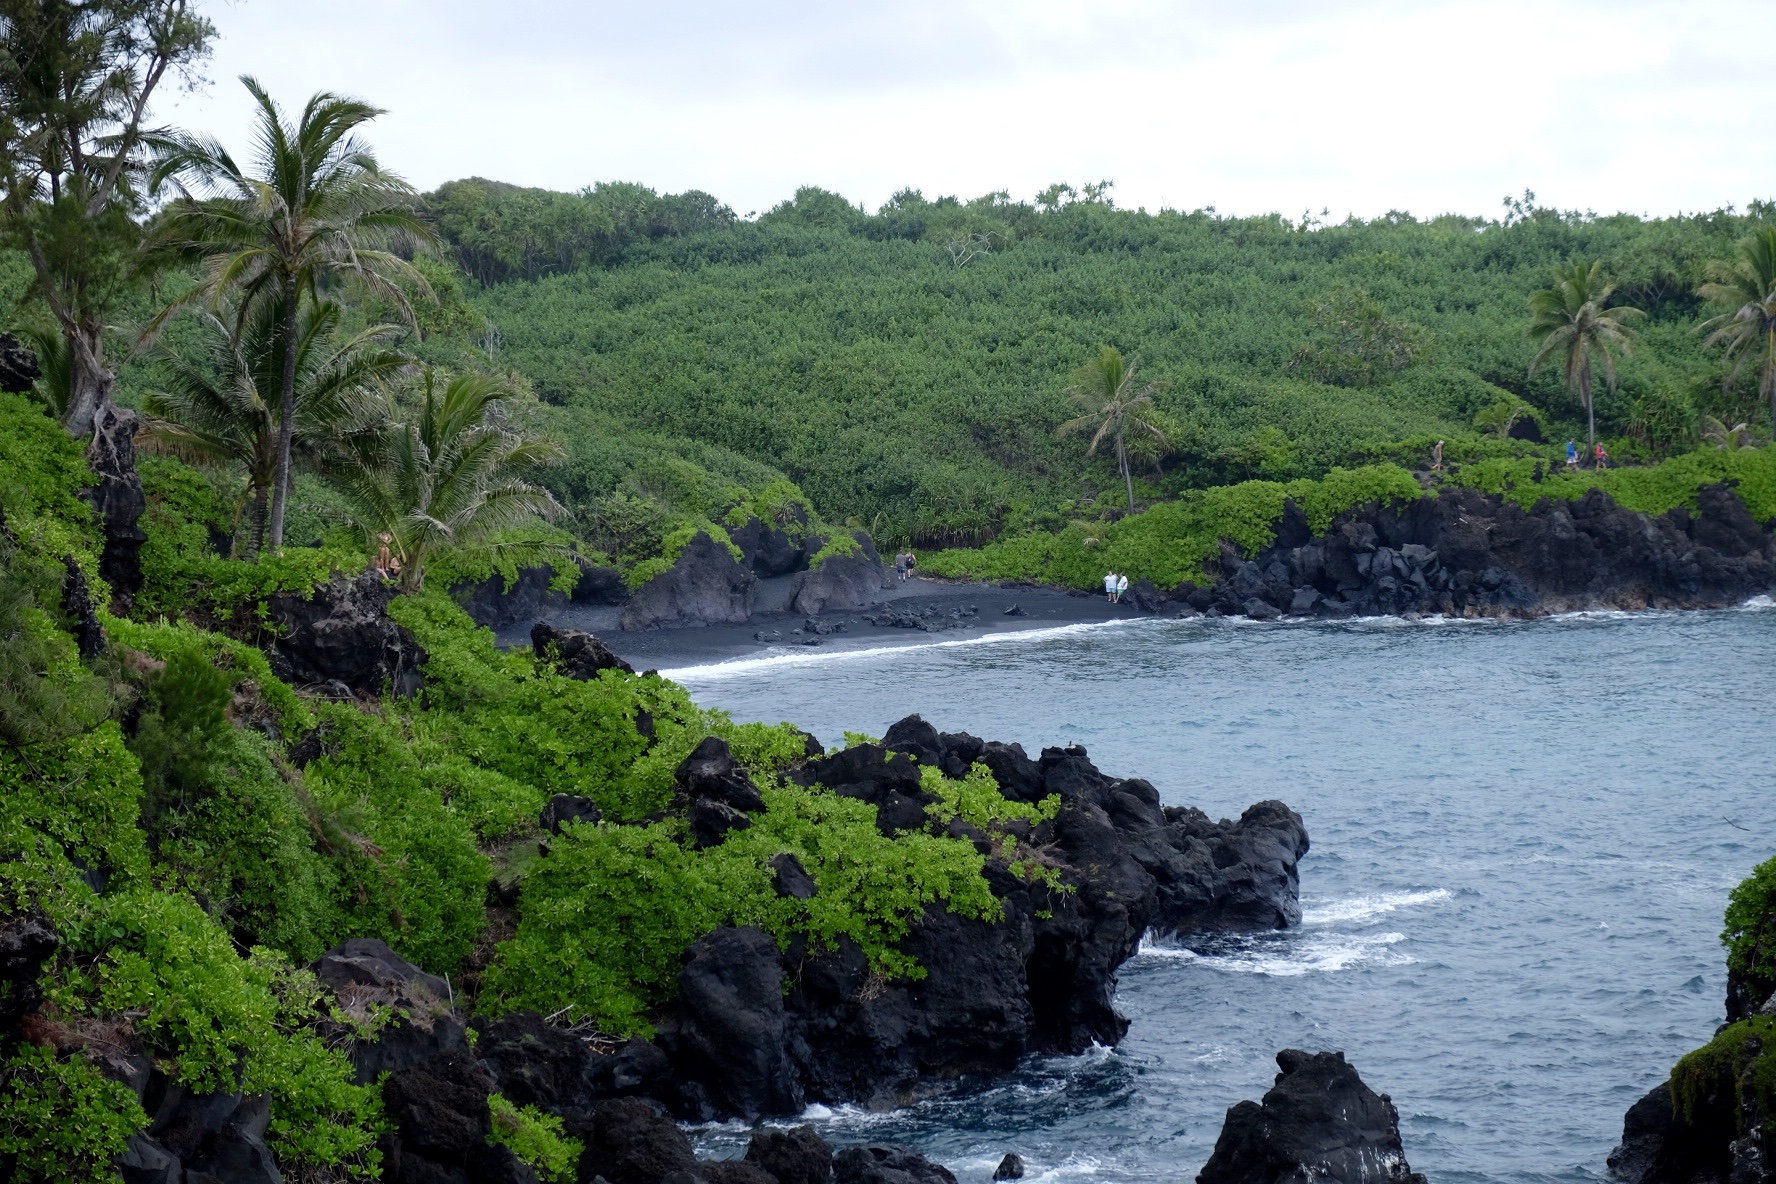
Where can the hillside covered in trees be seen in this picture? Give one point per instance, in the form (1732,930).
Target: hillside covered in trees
(907,368)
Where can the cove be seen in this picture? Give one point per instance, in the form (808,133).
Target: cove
(1524,834)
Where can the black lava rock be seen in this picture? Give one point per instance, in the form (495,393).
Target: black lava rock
(564,808)
(705,586)
(1010,1168)
(342,637)
(798,1156)
(888,1164)
(1319,1122)
(574,652)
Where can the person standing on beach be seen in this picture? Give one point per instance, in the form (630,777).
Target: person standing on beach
(912,563)
(900,565)
(1110,586)
(1122,586)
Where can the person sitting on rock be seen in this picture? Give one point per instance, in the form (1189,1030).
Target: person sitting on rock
(385,564)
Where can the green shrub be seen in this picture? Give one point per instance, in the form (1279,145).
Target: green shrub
(1746,1052)
(673,545)
(42,469)
(463,664)
(224,823)
(1653,490)
(248,666)
(840,544)
(536,1138)
(976,799)
(1750,933)
(62,1121)
(82,799)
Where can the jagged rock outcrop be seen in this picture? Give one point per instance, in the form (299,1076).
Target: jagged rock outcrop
(117,500)
(1319,1122)
(1469,553)
(885,1163)
(19,367)
(1041,979)
(1661,1146)
(342,638)
(574,652)
(27,940)
(775,549)
(77,602)
(841,583)
(497,603)
(705,586)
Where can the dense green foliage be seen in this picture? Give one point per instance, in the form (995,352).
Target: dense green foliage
(1750,933)
(536,1138)
(852,353)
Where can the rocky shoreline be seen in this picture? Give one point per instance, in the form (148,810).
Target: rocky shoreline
(1458,552)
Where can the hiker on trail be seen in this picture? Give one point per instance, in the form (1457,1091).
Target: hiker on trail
(1110,586)
(1437,458)
(912,563)
(1602,458)
(1122,585)
(1572,455)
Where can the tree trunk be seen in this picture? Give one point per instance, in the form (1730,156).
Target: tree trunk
(1122,458)
(256,532)
(1770,371)
(89,380)
(286,419)
(1590,413)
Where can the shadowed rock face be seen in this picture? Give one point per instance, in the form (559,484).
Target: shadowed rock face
(19,368)
(1470,553)
(773,549)
(117,500)
(1319,1123)
(842,583)
(707,586)
(574,652)
(343,637)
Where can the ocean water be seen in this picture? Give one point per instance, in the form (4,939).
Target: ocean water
(1523,833)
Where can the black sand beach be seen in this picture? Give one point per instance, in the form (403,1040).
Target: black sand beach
(953,611)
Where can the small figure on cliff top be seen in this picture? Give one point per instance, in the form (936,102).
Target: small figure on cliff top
(1437,458)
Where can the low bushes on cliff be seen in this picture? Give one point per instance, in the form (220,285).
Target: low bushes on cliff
(1654,490)
(1171,542)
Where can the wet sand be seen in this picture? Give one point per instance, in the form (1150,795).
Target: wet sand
(949,603)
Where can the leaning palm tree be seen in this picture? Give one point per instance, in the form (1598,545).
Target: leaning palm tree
(452,476)
(1571,322)
(1727,439)
(1105,391)
(222,405)
(1748,288)
(315,205)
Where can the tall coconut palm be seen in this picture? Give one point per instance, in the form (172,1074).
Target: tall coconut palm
(1572,322)
(315,205)
(1105,391)
(223,405)
(1747,286)
(451,476)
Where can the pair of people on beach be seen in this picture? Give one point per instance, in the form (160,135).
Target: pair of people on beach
(905,562)
(1114,586)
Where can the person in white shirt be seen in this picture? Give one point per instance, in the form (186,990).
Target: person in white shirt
(1110,586)
(1122,585)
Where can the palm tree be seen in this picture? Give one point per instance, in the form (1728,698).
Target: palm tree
(222,406)
(1105,391)
(451,477)
(1571,321)
(1727,439)
(315,206)
(1748,288)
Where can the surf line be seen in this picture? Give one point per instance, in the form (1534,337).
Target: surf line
(735,666)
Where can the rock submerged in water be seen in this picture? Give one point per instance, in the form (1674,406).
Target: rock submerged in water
(1318,1123)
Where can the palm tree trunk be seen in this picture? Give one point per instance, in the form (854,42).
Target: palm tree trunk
(286,418)
(1770,371)
(1590,412)
(256,533)
(1122,458)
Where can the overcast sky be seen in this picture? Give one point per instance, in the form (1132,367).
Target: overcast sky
(1250,106)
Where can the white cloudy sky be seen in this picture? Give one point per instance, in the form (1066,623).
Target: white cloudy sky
(1360,106)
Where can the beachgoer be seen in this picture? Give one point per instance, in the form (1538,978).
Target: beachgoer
(1122,586)
(1602,458)
(900,565)
(384,564)
(1437,458)
(1110,586)
(1572,455)
(912,563)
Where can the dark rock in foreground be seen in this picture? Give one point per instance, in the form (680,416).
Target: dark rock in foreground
(1467,553)
(1318,1123)
(706,586)
(342,638)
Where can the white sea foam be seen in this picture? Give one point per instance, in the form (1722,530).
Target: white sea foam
(773,661)
(1757,604)
(1365,908)
(1317,954)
